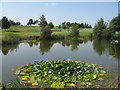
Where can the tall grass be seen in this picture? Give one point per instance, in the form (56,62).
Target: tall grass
(10,39)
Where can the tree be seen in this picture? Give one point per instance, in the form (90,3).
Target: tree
(64,25)
(68,25)
(82,25)
(51,25)
(74,31)
(115,24)
(86,25)
(43,21)
(59,26)
(5,23)
(100,28)
(35,22)
(89,26)
(12,22)
(30,22)
(46,32)
(17,23)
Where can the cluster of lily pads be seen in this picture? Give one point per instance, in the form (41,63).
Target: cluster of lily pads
(59,73)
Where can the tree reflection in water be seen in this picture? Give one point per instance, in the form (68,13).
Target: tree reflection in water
(100,46)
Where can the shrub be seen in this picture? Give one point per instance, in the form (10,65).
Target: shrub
(46,32)
(74,31)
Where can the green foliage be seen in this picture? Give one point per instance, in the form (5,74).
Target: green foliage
(100,29)
(30,22)
(64,25)
(107,33)
(60,72)
(51,25)
(5,23)
(59,26)
(14,23)
(68,25)
(74,31)
(43,21)
(35,22)
(115,24)
(46,32)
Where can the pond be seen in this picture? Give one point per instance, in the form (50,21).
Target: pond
(104,53)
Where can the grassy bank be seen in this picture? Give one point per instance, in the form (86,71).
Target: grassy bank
(29,31)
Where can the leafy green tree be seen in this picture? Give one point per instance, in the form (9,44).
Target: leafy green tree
(30,22)
(64,25)
(68,25)
(99,27)
(89,26)
(82,25)
(46,32)
(43,21)
(12,22)
(115,24)
(5,23)
(74,31)
(36,22)
(51,25)
(17,23)
(59,26)
(86,25)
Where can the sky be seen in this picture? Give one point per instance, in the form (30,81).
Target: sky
(58,12)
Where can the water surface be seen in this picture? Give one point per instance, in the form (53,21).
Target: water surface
(100,52)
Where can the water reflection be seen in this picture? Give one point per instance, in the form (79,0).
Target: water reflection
(99,46)
(102,46)
(9,48)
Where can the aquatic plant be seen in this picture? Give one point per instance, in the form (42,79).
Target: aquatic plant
(59,73)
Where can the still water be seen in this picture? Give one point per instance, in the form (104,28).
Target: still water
(101,52)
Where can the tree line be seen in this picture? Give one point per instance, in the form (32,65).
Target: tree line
(102,29)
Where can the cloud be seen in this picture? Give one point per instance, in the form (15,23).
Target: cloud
(50,4)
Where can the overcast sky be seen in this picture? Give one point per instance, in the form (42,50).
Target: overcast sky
(57,12)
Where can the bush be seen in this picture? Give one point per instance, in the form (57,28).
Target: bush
(107,33)
(99,27)
(46,32)
(74,31)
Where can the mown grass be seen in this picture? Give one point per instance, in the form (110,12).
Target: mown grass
(86,32)
(27,31)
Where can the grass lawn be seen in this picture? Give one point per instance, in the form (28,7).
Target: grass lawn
(86,32)
(27,31)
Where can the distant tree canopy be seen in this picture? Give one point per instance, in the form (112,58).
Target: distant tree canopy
(51,25)
(68,25)
(5,23)
(64,25)
(35,22)
(30,22)
(80,25)
(43,21)
(115,24)
(14,23)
